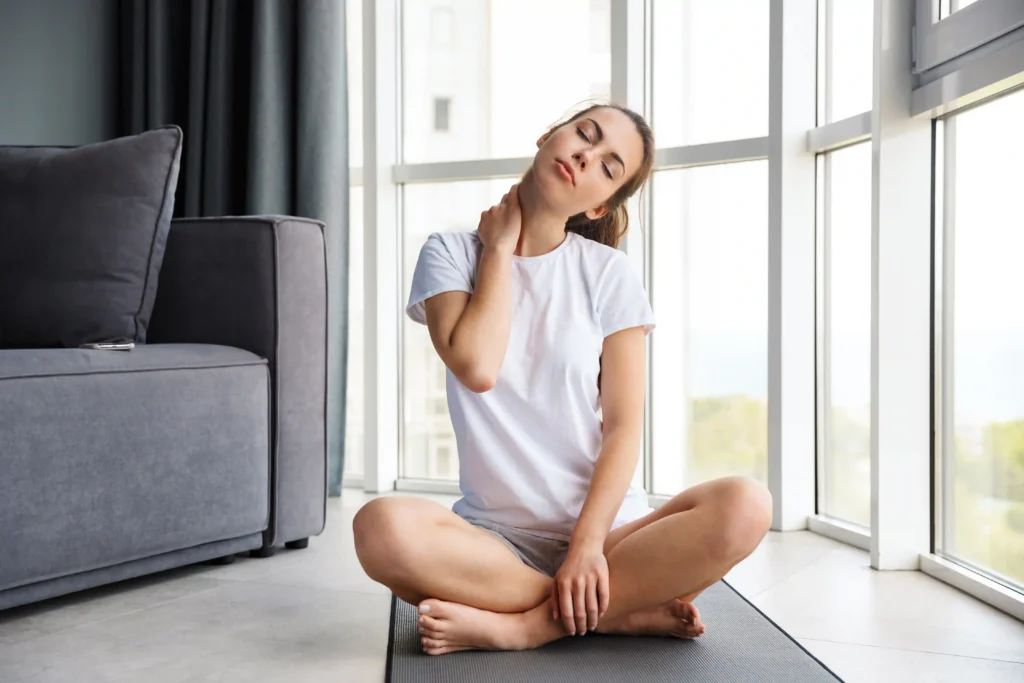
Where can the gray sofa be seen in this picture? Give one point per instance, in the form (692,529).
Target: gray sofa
(206,441)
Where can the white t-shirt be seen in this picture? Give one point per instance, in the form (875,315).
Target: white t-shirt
(527,448)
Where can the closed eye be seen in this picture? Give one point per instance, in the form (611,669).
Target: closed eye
(607,170)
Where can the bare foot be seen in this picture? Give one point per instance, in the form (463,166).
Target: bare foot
(675,619)
(449,627)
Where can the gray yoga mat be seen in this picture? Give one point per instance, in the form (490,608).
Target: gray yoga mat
(741,645)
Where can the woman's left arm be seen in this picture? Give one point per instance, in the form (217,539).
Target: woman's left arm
(581,590)
(622,404)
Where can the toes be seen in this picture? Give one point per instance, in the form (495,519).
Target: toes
(430,624)
(688,612)
(436,609)
(433,635)
(690,633)
(432,643)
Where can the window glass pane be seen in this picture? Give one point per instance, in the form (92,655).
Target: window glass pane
(354,392)
(984,492)
(850,80)
(354,44)
(710,350)
(710,70)
(503,91)
(846,485)
(428,438)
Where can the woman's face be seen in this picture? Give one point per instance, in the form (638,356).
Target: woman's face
(584,162)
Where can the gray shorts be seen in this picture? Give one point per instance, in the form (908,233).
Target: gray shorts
(543,554)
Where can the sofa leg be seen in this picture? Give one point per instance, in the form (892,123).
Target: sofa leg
(264,552)
(221,561)
(300,544)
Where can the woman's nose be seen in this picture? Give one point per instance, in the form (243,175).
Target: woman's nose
(582,159)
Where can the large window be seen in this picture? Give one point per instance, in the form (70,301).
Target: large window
(472,89)
(477,82)
(843,294)
(709,283)
(981,481)
(710,70)
(844,448)
(428,443)
(500,92)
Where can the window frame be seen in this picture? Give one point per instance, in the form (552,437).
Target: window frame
(824,139)
(961,77)
(939,40)
(944,316)
(844,529)
(971,55)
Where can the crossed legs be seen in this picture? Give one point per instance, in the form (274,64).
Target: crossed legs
(473,592)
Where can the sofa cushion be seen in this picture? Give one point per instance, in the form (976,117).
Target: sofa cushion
(111,456)
(82,235)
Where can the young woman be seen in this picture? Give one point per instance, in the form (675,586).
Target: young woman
(541,323)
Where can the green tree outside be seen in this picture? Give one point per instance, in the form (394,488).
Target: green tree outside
(729,436)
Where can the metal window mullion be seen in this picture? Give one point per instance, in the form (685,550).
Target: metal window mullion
(822,61)
(829,58)
(628,88)
(381,244)
(712,153)
(825,398)
(820,341)
(666,158)
(945,295)
(791,262)
(901,316)
(841,133)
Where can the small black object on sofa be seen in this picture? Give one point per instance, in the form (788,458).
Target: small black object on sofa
(209,437)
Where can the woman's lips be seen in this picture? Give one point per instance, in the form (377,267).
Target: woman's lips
(563,169)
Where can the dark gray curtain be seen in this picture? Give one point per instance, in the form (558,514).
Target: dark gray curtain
(260,89)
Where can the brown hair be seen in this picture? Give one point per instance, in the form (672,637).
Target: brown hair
(613,226)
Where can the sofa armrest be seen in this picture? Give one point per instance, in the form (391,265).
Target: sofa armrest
(260,284)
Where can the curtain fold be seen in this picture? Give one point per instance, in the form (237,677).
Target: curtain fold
(260,89)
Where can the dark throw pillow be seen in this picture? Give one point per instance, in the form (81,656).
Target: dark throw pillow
(82,235)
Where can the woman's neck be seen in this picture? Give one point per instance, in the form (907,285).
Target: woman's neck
(543,230)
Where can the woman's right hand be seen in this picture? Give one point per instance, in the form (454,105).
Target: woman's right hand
(501,224)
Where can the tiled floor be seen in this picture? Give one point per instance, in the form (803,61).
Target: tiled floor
(313,616)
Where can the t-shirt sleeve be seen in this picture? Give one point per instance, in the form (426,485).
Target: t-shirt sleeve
(437,271)
(622,301)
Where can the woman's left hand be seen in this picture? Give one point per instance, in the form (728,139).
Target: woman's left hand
(580,591)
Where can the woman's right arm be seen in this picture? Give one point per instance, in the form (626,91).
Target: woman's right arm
(470,331)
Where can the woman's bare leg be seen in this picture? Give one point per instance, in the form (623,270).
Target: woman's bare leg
(420,549)
(679,550)
(678,616)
